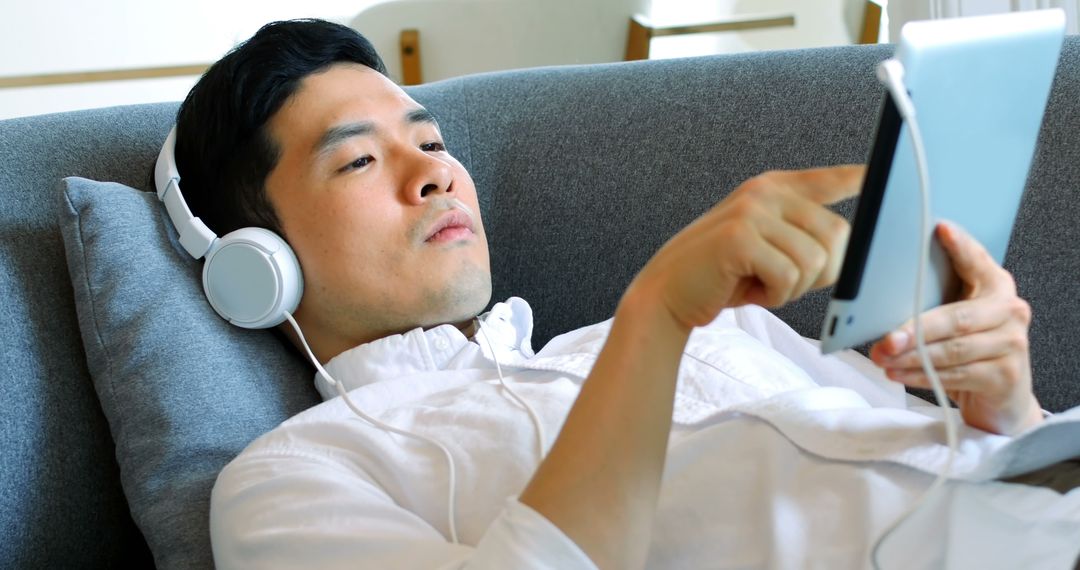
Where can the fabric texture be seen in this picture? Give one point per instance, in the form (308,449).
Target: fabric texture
(183,391)
(779,457)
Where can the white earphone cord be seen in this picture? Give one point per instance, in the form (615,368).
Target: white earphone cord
(894,83)
(341,391)
(532,413)
(452,498)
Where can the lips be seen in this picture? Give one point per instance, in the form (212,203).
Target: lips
(453,225)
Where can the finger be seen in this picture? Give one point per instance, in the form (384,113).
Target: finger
(984,376)
(777,273)
(994,379)
(957,319)
(824,185)
(956,351)
(804,251)
(972,262)
(829,229)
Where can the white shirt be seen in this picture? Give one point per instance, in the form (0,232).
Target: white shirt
(779,458)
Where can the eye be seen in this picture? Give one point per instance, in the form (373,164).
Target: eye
(358,163)
(433,147)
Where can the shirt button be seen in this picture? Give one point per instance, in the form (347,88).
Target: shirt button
(441,343)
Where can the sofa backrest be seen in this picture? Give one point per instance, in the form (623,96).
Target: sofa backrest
(61,503)
(583,173)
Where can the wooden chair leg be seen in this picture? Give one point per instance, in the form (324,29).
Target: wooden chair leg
(871,23)
(410,57)
(637,40)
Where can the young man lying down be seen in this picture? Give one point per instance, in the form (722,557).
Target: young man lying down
(693,430)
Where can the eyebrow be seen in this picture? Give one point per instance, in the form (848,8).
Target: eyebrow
(336,135)
(420,115)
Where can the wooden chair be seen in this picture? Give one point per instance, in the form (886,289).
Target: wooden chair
(638,38)
(641,32)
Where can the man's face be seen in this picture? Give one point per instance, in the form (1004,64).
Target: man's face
(362,187)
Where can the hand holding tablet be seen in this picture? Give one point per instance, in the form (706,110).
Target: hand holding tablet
(978,344)
(980,86)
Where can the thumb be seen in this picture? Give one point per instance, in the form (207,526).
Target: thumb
(972,262)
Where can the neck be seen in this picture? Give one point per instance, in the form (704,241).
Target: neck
(469,328)
(326,349)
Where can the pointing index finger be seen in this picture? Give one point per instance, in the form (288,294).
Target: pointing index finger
(826,185)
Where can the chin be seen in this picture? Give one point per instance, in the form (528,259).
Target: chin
(474,299)
(463,298)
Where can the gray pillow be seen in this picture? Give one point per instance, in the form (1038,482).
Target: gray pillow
(184,392)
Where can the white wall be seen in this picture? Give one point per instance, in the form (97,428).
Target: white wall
(817,23)
(57,36)
(903,11)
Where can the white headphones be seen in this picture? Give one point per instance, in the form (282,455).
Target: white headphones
(251,276)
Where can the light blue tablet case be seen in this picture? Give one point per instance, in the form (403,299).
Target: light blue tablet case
(979,86)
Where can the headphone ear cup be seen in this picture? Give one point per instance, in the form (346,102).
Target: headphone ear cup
(252,277)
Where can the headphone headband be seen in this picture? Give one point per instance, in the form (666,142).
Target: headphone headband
(195,237)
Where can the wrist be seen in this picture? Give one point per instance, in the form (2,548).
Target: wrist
(642,305)
(1034,415)
(1018,418)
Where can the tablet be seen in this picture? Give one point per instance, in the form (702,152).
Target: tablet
(979,86)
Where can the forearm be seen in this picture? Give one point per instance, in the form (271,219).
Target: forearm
(600,482)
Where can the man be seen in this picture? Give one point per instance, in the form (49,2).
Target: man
(299,130)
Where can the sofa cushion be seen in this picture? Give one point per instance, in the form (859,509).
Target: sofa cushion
(183,391)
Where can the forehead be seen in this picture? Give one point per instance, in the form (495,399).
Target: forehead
(344,92)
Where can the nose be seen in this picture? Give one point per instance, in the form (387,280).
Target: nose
(427,175)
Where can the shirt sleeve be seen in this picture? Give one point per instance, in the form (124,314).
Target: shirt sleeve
(274,511)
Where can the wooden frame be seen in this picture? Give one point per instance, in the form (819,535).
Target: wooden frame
(95,76)
(871,29)
(410,57)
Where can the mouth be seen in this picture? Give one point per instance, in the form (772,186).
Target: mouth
(452,226)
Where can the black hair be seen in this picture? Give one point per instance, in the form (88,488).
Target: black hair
(224,151)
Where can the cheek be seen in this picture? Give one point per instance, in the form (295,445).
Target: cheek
(341,244)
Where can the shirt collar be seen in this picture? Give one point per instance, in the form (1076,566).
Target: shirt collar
(508,327)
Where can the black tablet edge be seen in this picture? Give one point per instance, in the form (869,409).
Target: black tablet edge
(870,198)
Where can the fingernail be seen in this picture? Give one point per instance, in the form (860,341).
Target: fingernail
(950,231)
(899,341)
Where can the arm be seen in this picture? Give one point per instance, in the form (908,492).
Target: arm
(769,242)
(276,508)
(978,344)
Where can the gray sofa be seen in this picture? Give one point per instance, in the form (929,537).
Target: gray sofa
(583,172)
